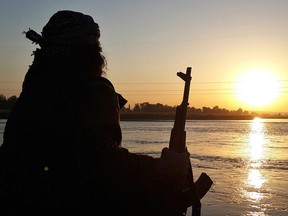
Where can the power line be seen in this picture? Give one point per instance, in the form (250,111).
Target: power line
(212,89)
(8,82)
(146,92)
(208,93)
(164,83)
(157,83)
(169,90)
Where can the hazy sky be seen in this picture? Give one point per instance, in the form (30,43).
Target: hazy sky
(146,42)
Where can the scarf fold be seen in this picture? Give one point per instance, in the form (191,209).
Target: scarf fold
(34,36)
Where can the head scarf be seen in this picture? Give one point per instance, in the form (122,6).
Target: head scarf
(66,28)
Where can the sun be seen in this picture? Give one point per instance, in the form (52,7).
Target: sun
(258,88)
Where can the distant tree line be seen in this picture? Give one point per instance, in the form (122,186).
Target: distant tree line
(146,107)
(7,103)
(158,107)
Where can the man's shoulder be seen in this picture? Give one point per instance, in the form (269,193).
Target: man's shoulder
(100,83)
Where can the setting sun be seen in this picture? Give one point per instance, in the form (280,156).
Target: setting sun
(258,88)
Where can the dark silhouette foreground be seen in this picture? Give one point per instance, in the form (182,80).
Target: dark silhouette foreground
(62,150)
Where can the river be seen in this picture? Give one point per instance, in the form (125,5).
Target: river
(246,159)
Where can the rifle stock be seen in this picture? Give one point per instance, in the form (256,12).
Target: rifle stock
(191,192)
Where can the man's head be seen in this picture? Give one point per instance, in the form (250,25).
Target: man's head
(74,38)
(70,28)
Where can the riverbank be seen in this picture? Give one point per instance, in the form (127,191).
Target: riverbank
(4,113)
(158,116)
(135,116)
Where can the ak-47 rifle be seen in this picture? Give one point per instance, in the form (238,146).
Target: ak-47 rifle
(191,193)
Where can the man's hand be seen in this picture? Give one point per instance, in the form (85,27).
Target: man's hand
(173,164)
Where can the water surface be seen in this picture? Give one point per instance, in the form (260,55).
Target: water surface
(247,160)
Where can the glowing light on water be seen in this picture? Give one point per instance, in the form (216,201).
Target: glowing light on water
(256,142)
(255,178)
(256,147)
(254,196)
(256,139)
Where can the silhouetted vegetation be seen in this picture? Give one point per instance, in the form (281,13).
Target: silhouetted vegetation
(147,111)
(146,107)
(6,105)
(159,111)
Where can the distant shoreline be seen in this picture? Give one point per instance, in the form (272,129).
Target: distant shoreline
(199,116)
(157,116)
(4,114)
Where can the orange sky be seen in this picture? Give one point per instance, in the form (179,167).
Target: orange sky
(147,42)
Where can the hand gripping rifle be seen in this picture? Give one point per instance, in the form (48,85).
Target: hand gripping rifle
(191,192)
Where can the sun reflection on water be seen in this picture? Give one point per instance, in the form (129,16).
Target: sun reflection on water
(255,180)
(256,140)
